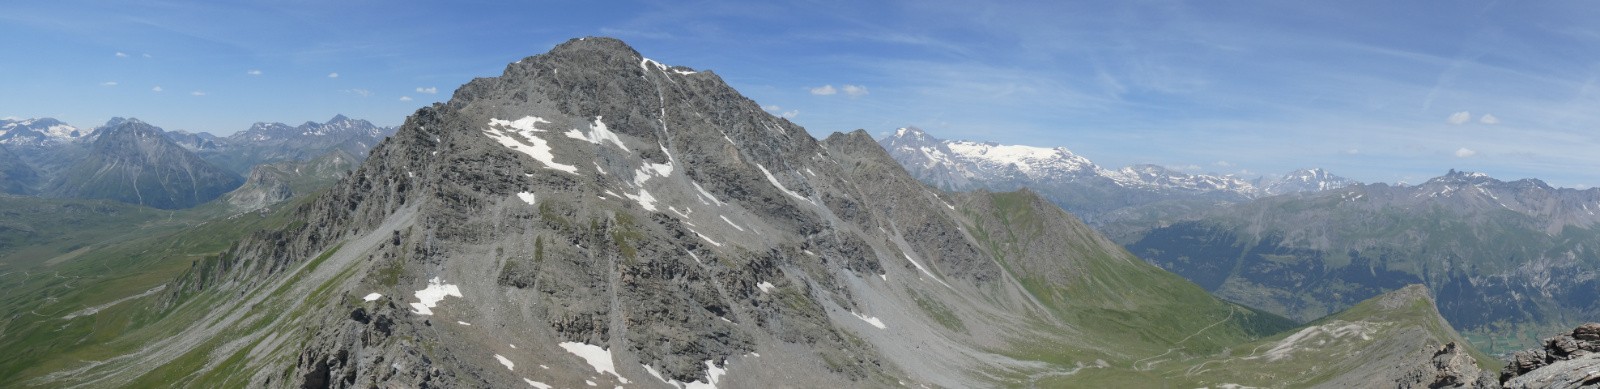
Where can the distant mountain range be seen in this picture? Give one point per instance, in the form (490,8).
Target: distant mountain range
(130,161)
(275,142)
(1088,190)
(135,162)
(1506,258)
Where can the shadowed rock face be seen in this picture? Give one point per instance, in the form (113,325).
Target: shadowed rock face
(16,177)
(1569,360)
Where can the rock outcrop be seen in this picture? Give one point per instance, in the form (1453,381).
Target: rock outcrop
(1570,360)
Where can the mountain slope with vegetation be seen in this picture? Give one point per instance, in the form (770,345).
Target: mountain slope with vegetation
(595,218)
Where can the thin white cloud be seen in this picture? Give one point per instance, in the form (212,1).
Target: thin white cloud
(429,90)
(122,54)
(358,92)
(777,110)
(1459,117)
(1489,119)
(145,55)
(197,93)
(1465,152)
(405,98)
(109,83)
(1223,163)
(156,89)
(253,72)
(333,75)
(1352,151)
(855,90)
(824,90)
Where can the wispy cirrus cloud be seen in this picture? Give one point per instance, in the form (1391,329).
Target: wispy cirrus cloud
(777,110)
(854,90)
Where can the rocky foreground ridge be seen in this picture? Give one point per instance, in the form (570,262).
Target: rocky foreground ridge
(1570,360)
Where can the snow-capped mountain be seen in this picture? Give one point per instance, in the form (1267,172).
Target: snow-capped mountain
(965,165)
(37,132)
(1304,180)
(1075,182)
(1156,177)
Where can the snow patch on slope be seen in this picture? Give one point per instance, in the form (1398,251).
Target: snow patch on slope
(507,362)
(870,320)
(598,134)
(534,146)
(713,374)
(774,181)
(597,357)
(430,297)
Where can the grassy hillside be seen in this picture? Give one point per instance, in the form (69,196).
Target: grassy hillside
(85,281)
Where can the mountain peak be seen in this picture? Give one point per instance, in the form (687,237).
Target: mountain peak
(1463,177)
(909,131)
(119,121)
(592,43)
(338,118)
(36,132)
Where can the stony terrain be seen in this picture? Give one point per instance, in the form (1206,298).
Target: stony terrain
(595,218)
(1569,360)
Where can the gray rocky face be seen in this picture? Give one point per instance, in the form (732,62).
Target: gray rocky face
(1569,360)
(595,218)
(16,177)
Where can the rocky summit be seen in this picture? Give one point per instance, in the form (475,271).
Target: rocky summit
(593,217)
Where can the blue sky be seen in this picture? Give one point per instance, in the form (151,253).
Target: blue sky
(1374,90)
